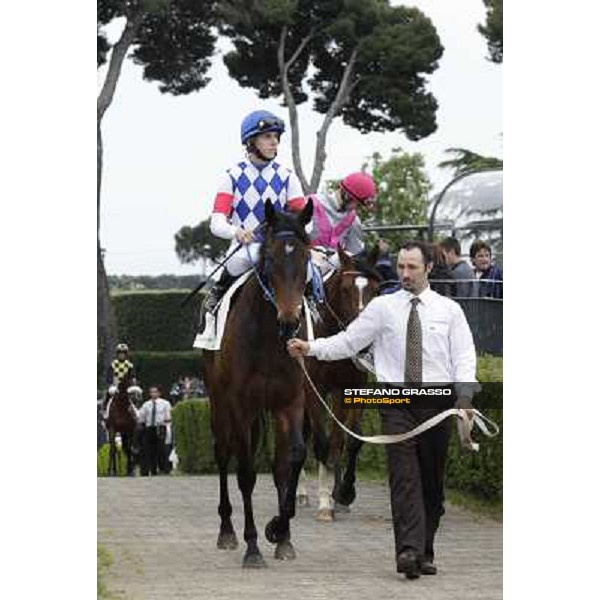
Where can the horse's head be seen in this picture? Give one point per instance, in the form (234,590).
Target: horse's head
(356,283)
(284,258)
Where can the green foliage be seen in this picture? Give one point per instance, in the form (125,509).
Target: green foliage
(156,320)
(174,42)
(402,197)
(161,368)
(395,47)
(194,440)
(194,243)
(193,437)
(152,282)
(492,30)
(465,160)
(102,461)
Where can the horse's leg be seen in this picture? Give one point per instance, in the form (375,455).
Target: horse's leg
(246,477)
(112,453)
(290,453)
(345,491)
(325,511)
(227,539)
(126,437)
(302,490)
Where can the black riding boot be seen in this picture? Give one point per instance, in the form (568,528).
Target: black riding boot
(218,291)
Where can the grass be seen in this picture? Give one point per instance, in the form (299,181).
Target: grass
(491,509)
(104,561)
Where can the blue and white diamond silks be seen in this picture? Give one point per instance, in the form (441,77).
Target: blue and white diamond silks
(251,187)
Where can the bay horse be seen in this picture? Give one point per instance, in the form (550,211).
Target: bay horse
(121,419)
(343,302)
(252,372)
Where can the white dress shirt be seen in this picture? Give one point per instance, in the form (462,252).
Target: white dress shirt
(448,349)
(163,412)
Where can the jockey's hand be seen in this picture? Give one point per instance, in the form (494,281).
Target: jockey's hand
(297,348)
(466,404)
(243,236)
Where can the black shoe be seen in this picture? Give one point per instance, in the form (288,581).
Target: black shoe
(217,292)
(407,562)
(428,568)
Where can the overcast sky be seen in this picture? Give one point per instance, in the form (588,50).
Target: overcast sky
(163,155)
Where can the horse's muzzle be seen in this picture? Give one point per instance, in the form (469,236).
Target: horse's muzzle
(288,329)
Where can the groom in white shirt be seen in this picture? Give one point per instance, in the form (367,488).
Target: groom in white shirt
(418,336)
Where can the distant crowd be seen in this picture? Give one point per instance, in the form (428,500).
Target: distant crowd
(452,275)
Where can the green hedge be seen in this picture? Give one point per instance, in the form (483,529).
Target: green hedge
(161,368)
(194,441)
(102,461)
(155,320)
(479,473)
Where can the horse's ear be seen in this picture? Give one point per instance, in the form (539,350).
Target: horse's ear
(373,256)
(345,260)
(269,212)
(307,213)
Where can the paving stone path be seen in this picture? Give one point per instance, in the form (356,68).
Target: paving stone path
(162,534)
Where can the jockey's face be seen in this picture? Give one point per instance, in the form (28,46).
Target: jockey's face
(482,260)
(267,144)
(121,355)
(412,270)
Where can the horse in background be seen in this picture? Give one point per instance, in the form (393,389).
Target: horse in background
(121,419)
(345,297)
(252,372)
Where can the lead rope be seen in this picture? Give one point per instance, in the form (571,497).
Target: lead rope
(478,419)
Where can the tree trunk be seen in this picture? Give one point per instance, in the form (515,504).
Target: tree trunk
(341,98)
(107,323)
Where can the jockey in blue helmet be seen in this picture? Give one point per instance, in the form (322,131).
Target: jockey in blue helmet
(241,196)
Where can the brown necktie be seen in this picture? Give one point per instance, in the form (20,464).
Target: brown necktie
(413,365)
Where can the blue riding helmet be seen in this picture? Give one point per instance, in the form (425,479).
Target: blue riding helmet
(260,121)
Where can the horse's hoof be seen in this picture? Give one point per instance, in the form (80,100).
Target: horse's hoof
(254,561)
(302,500)
(325,515)
(274,531)
(285,551)
(345,495)
(227,541)
(341,508)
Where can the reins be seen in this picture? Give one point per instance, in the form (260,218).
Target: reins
(478,419)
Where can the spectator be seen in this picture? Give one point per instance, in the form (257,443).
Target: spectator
(489,276)
(463,273)
(384,265)
(441,277)
(155,415)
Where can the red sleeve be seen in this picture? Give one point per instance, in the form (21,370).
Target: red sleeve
(223,203)
(296,204)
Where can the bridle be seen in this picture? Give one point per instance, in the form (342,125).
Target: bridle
(265,283)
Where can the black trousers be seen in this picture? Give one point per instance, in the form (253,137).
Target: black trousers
(153,446)
(416,475)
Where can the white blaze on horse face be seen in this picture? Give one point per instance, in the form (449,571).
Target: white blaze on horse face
(289,248)
(361,283)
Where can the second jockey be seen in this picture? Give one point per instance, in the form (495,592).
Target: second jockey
(239,206)
(335,218)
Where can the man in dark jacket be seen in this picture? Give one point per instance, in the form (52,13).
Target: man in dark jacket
(463,273)
(489,284)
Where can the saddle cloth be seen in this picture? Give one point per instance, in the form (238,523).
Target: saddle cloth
(211,337)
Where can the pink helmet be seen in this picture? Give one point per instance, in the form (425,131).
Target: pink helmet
(361,187)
